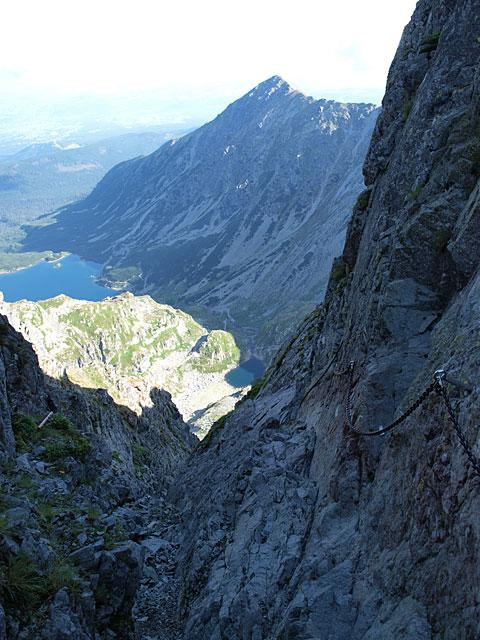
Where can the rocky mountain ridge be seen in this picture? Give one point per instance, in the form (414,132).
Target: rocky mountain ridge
(80,497)
(221,220)
(130,345)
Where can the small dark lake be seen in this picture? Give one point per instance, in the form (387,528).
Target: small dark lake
(71,275)
(246,373)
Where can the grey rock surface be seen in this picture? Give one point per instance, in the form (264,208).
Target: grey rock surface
(64,623)
(119,574)
(3,630)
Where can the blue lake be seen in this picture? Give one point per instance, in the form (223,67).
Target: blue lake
(246,373)
(71,275)
(75,277)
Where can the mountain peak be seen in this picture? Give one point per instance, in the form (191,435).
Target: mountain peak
(273,81)
(270,86)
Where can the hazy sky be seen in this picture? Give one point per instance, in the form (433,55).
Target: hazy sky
(189,50)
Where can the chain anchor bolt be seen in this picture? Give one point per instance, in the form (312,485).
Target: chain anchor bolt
(440,375)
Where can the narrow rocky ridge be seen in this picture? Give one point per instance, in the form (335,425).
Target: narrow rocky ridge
(293,527)
(130,345)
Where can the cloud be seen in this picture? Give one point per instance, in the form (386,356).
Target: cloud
(196,49)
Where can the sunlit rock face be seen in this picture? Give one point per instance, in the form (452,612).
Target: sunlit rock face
(130,345)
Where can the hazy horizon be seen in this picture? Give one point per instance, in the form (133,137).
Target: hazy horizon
(129,65)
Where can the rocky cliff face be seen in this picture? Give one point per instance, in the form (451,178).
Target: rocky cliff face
(81,497)
(130,345)
(253,203)
(294,527)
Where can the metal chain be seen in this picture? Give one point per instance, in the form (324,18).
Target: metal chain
(474,461)
(436,386)
(321,376)
(381,429)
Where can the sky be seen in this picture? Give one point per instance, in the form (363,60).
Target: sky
(188,58)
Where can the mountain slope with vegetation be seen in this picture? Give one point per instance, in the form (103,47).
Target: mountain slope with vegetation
(284,522)
(42,177)
(78,496)
(222,221)
(130,345)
